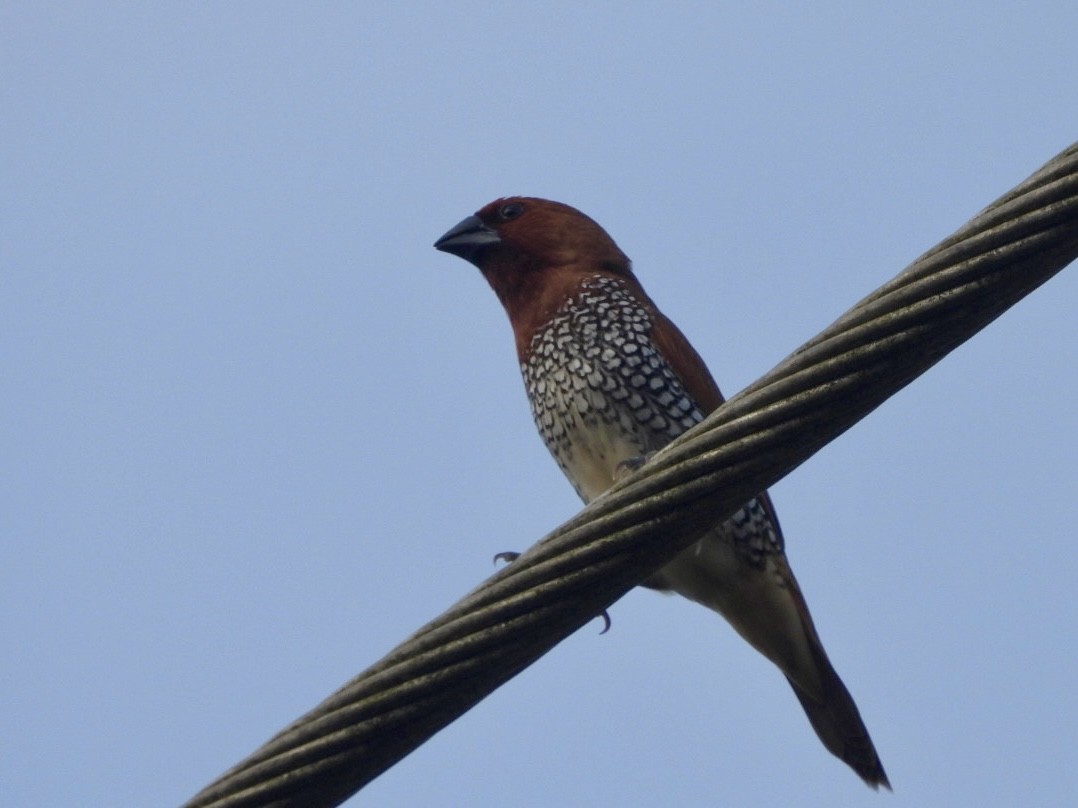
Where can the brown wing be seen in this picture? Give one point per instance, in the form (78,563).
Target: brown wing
(686,363)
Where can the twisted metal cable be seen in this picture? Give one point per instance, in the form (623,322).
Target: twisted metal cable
(747,445)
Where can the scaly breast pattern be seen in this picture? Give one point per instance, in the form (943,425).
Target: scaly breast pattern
(600,392)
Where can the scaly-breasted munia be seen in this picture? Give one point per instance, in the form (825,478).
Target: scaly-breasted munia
(611,380)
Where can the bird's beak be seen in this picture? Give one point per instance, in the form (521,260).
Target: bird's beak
(467,239)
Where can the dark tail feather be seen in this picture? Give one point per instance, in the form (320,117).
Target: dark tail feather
(839,725)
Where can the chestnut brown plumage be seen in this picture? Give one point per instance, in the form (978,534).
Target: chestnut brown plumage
(610,380)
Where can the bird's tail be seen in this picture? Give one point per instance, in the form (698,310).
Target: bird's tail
(789,639)
(837,721)
(765,605)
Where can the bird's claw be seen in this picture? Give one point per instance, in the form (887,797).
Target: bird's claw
(510,556)
(606,622)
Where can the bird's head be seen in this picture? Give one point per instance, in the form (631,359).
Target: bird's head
(534,253)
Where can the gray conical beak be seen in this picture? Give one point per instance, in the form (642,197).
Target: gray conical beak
(467,239)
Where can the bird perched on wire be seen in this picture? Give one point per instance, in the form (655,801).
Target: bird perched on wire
(612,380)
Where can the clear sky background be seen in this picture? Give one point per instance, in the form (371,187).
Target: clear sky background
(256,430)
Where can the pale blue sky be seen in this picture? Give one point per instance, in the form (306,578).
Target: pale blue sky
(257,430)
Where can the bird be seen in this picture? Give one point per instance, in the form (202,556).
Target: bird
(611,380)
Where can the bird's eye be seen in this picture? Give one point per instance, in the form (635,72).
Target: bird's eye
(510,211)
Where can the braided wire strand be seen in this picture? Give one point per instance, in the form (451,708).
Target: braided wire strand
(748,444)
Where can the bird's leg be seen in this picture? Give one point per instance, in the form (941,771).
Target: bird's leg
(509,556)
(628,466)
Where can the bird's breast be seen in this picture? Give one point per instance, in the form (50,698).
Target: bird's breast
(600,391)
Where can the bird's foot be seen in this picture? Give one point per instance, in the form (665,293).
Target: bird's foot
(627,467)
(509,556)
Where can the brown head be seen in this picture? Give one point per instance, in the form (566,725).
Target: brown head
(534,253)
